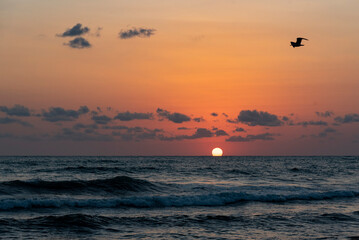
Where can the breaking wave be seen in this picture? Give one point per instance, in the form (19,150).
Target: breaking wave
(220,199)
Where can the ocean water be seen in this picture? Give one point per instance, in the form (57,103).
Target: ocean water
(179,197)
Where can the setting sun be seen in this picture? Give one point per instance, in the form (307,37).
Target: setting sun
(217,152)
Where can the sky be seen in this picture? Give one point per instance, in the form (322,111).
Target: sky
(179,77)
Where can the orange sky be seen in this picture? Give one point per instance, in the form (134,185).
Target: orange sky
(205,56)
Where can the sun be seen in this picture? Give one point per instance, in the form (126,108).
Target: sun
(217,152)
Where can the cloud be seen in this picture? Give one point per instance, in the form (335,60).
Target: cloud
(325,132)
(102,119)
(220,133)
(239,130)
(78,43)
(224,114)
(128,116)
(313,123)
(56,114)
(116,127)
(86,128)
(285,118)
(136,133)
(348,118)
(214,114)
(200,133)
(324,114)
(254,118)
(232,120)
(250,138)
(288,120)
(136,32)
(16,110)
(183,128)
(173,117)
(76,30)
(98,32)
(7,120)
(70,134)
(199,119)
(6,135)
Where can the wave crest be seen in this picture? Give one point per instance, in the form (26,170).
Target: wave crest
(220,199)
(111,185)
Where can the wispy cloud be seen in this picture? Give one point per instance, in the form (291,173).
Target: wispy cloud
(200,133)
(136,32)
(313,123)
(250,138)
(7,120)
(324,114)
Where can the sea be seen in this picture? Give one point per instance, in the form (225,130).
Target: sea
(174,197)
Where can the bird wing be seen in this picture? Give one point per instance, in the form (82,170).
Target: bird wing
(299,40)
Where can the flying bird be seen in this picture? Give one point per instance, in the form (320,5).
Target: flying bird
(298,43)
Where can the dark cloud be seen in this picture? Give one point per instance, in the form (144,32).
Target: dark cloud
(136,32)
(76,30)
(250,138)
(86,128)
(238,129)
(6,135)
(214,114)
(220,133)
(7,120)
(200,133)
(254,118)
(70,134)
(183,128)
(324,114)
(102,119)
(325,132)
(173,117)
(56,114)
(348,118)
(224,114)
(115,127)
(78,43)
(136,133)
(199,119)
(232,120)
(312,123)
(16,110)
(128,116)
(288,120)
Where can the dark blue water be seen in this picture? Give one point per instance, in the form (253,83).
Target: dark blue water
(179,197)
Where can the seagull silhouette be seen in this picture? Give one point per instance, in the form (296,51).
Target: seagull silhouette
(298,43)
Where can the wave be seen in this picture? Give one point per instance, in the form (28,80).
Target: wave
(119,184)
(219,199)
(61,221)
